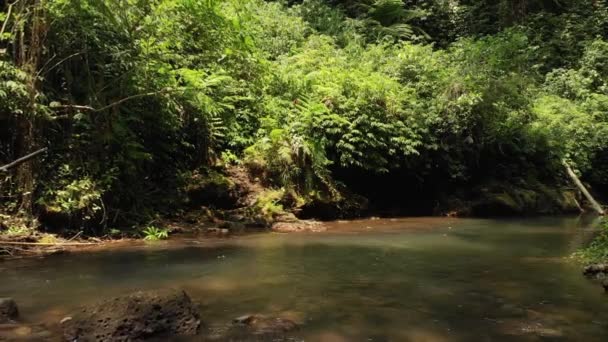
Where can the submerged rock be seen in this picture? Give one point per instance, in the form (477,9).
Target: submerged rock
(250,327)
(254,328)
(135,317)
(8,310)
(25,332)
(233,226)
(217,232)
(511,310)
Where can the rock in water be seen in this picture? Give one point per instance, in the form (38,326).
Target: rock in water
(135,317)
(299,226)
(593,269)
(252,327)
(8,310)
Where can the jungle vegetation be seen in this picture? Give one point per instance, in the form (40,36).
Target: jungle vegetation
(323,100)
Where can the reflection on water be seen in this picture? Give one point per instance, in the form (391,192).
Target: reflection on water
(431,279)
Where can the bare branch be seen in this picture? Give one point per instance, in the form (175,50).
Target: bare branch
(58,63)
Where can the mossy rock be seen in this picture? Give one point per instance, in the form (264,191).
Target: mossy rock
(497,204)
(498,199)
(212,189)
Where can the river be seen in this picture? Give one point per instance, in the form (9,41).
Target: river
(414,279)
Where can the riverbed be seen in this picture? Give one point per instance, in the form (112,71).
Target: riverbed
(414,279)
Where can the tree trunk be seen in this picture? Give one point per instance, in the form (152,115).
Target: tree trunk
(596,206)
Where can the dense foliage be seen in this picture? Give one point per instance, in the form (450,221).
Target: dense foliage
(134,97)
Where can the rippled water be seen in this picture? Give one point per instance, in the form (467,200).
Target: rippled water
(425,279)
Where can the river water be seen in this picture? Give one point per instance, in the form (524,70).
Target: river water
(415,279)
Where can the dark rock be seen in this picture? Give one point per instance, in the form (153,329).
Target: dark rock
(233,226)
(8,310)
(594,269)
(235,217)
(605,285)
(135,317)
(217,231)
(350,206)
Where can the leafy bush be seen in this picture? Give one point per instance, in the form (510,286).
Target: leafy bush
(138,95)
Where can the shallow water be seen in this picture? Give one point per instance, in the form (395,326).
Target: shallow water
(426,279)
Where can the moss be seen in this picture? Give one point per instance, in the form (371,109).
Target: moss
(568,201)
(508,201)
(208,177)
(496,204)
(268,203)
(48,238)
(527,198)
(597,251)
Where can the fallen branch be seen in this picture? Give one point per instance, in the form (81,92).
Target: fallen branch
(12,243)
(596,206)
(75,236)
(23,159)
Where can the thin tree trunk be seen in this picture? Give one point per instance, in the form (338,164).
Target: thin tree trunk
(596,206)
(27,47)
(25,174)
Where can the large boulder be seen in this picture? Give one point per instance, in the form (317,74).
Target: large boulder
(135,317)
(8,310)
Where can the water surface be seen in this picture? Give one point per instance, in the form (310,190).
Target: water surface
(426,279)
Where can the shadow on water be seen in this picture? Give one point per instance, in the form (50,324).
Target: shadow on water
(376,280)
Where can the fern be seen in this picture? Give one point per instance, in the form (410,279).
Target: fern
(152,233)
